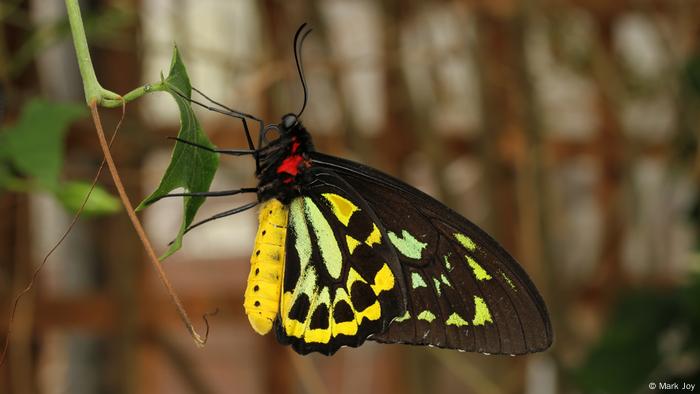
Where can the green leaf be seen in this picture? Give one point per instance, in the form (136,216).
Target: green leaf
(31,157)
(633,349)
(627,352)
(6,179)
(72,194)
(190,167)
(34,145)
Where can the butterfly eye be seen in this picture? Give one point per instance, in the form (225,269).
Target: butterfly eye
(288,121)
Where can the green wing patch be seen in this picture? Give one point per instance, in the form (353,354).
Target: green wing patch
(407,244)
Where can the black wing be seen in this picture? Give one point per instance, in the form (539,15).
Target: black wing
(342,278)
(464,291)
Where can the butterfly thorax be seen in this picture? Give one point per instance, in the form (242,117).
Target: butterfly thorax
(284,163)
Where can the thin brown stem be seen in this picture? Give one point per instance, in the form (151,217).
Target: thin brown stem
(58,243)
(198,340)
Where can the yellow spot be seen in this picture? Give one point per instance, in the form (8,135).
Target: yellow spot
(481,314)
(427,316)
(294,328)
(375,237)
(404,317)
(262,295)
(372,312)
(342,208)
(456,320)
(318,335)
(384,280)
(344,328)
(353,276)
(352,243)
(465,241)
(479,272)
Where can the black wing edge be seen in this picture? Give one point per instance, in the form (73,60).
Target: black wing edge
(305,348)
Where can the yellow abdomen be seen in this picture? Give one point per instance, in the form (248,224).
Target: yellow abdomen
(262,295)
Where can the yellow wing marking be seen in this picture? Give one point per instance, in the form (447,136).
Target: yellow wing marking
(375,237)
(342,207)
(383,280)
(352,243)
(481,314)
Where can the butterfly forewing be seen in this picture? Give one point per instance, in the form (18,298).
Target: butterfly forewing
(463,290)
(342,280)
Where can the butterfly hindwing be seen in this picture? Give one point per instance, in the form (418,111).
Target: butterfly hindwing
(342,280)
(464,291)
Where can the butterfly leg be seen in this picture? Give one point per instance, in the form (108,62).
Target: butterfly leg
(236,114)
(220,193)
(219,216)
(231,152)
(223,215)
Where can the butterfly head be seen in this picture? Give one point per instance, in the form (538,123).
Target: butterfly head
(288,122)
(284,159)
(285,130)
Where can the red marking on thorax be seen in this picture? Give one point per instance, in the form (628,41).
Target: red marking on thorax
(290,165)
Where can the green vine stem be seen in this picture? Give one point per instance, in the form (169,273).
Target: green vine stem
(94,92)
(96,95)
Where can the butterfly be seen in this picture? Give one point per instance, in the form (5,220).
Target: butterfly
(345,253)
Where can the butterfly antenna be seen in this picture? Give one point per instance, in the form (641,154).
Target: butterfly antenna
(298,43)
(232,111)
(225,111)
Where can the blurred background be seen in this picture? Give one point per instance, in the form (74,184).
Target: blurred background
(567,129)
